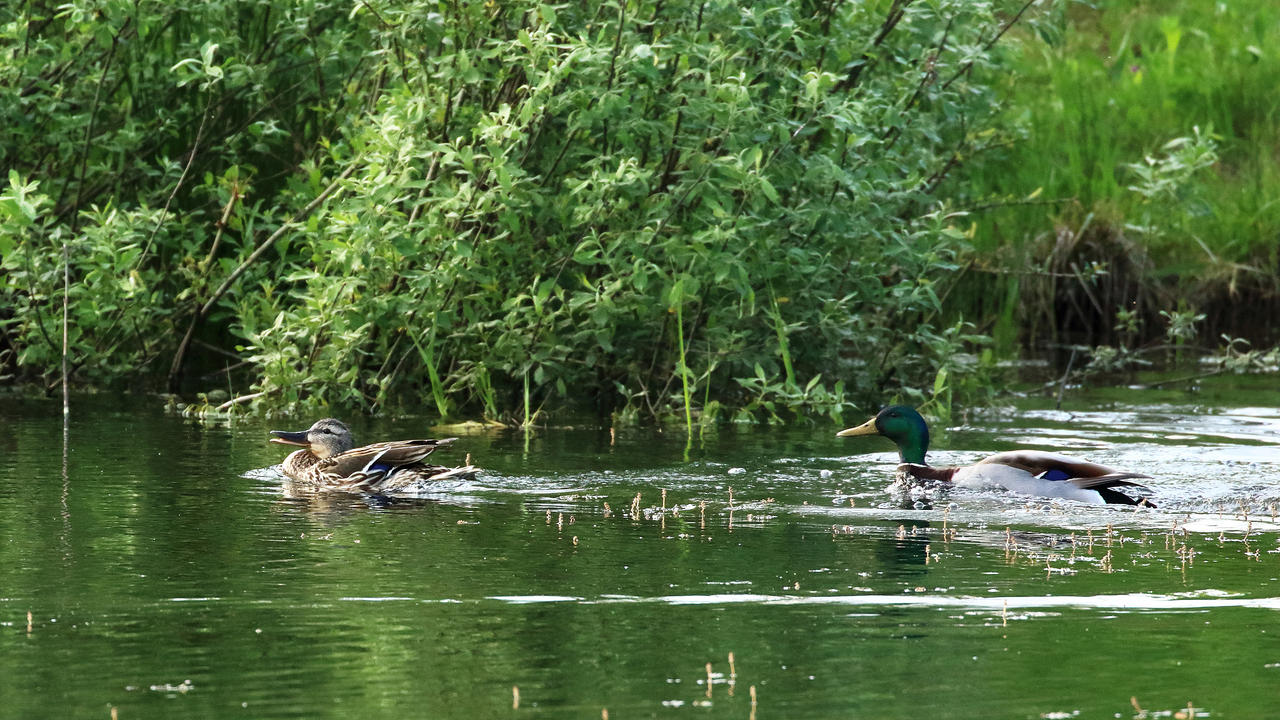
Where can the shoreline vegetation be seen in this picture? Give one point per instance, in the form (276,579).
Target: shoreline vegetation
(653,211)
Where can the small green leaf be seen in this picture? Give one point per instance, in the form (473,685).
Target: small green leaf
(767,188)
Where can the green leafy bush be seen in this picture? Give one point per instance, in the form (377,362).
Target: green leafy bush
(647,208)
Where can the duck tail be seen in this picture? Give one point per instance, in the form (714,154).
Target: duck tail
(1115,497)
(1105,485)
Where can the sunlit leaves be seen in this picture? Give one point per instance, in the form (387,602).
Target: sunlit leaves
(633,206)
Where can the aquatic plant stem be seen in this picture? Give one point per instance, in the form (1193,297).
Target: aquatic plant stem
(780,328)
(684,373)
(526,422)
(66,293)
(1062,384)
(66,402)
(433,375)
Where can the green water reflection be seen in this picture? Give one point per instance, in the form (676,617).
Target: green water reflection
(168,575)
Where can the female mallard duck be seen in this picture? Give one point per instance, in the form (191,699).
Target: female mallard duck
(1029,472)
(329,459)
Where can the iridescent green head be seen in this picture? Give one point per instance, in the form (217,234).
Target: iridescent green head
(902,425)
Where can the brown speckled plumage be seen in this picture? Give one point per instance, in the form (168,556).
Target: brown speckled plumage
(329,460)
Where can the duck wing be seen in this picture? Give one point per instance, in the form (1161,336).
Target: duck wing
(1074,471)
(380,457)
(420,476)
(1106,481)
(1053,466)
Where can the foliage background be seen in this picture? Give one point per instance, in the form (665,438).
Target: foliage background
(647,208)
(644,206)
(1144,191)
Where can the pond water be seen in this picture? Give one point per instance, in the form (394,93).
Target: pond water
(160,569)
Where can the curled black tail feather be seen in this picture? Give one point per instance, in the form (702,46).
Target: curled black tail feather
(1115,497)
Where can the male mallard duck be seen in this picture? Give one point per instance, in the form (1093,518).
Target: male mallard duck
(1029,472)
(329,459)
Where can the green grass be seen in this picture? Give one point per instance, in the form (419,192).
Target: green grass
(1124,79)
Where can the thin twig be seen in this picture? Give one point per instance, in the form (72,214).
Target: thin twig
(175,370)
(242,399)
(1188,378)
(93,116)
(222,225)
(994,205)
(896,11)
(990,43)
(191,157)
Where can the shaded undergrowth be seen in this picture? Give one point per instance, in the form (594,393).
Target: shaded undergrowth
(649,209)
